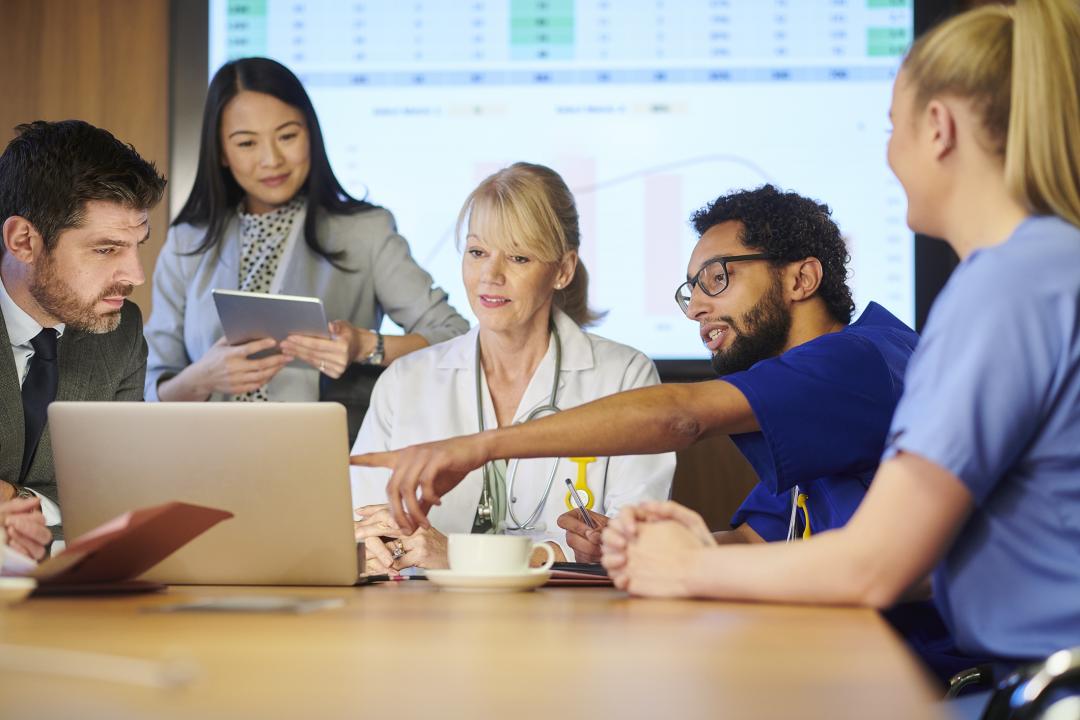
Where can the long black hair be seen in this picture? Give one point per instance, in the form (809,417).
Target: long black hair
(216,193)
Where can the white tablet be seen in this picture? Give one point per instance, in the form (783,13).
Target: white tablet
(247,316)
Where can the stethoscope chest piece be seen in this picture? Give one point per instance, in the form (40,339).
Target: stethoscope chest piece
(487,502)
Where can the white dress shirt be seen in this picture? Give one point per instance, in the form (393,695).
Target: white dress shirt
(21,329)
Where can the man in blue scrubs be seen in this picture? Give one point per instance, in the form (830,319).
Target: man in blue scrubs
(807,395)
(822,388)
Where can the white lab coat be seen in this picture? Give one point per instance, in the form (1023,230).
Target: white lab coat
(431,395)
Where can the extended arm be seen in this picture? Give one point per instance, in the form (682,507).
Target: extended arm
(656,419)
(909,517)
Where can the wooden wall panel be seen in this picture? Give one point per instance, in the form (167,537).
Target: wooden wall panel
(102,61)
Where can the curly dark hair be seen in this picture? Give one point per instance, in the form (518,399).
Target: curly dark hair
(788,227)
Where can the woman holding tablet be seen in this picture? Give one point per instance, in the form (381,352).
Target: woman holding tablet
(527,358)
(266,214)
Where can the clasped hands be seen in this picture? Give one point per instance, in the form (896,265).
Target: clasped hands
(389,549)
(649,549)
(22,526)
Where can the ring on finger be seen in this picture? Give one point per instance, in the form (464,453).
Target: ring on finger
(399,549)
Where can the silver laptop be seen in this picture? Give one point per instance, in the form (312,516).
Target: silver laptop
(282,469)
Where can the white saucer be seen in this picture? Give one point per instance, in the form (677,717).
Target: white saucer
(450,580)
(14,589)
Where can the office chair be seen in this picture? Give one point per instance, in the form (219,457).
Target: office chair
(1048,690)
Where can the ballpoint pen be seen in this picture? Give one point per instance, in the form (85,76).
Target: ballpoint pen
(580,508)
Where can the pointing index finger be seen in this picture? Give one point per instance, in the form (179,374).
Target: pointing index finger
(417,513)
(397,509)
(375,459)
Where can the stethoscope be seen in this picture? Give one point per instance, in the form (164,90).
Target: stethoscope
(493,495)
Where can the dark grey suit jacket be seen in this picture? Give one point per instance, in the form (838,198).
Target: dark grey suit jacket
(110,366)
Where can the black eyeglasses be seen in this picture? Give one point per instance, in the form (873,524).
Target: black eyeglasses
(712,278)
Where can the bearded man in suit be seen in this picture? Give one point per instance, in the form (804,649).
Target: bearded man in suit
(74,203)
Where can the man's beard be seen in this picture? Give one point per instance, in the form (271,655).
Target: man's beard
(57,298)
(761,333)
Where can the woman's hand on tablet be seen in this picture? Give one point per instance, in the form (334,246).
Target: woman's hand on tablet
(230,369)
(330,356)
(224,369)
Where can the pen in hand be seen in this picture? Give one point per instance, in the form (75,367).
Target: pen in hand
(580,508)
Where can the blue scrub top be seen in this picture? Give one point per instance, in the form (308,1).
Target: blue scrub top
(993,396)
(824,410)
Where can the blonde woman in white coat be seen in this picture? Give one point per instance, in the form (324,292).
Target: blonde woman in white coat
(528,289)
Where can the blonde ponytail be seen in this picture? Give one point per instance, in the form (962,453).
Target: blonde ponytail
(1020,68)
(1042,161)
(574,298)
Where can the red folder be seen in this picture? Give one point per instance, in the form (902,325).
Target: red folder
(127,546)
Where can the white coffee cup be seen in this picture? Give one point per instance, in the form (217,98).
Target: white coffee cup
(481,554)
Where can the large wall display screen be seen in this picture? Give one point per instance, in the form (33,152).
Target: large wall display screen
(648,108)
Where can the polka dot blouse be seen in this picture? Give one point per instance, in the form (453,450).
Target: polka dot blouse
(262,239)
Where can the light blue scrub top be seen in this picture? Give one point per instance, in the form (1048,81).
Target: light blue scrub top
(992,394)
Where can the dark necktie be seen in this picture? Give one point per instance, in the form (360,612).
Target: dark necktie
(38,390)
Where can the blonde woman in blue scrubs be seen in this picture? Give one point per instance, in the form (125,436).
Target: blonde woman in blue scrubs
(979,486)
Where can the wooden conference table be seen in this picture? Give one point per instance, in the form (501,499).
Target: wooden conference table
(404,649)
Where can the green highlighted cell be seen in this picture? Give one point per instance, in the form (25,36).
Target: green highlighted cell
(542,37)
(246,28)
(873,4)
(246,8)
(543,22)
(541,29)
(541,7)
(887,41)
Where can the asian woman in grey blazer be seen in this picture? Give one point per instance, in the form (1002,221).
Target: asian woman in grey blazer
(266,214)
